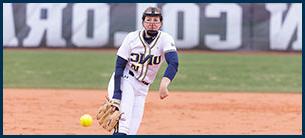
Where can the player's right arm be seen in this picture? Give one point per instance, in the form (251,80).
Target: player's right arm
(119,70)
(121,61)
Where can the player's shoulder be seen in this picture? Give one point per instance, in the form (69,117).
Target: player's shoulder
(133,33)
(166,36)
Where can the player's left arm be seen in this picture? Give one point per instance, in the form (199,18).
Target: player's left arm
(170,72)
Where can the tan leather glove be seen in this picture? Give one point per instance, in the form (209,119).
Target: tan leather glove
(109,114)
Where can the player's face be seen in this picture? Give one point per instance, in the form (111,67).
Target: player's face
(152,23)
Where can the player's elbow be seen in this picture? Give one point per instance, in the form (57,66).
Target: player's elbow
(118,74)
(175,65)
(172,60)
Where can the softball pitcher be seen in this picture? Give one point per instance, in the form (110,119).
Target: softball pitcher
(138,61)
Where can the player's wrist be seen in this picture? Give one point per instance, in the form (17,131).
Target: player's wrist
(117,95)
(165,81)
(116,103)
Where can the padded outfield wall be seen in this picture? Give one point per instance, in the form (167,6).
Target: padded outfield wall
(206,26)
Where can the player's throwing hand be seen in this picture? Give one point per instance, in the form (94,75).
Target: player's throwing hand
(163,87)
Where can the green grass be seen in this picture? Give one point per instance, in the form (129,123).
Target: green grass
(197,71)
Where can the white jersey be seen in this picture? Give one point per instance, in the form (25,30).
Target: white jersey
(144,60)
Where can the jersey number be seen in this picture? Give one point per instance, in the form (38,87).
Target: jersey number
(134,67)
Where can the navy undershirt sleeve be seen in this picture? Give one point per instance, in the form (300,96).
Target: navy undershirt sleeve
(172,61)
(119,69)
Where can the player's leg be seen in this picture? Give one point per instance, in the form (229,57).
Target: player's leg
(127,102)
(137,114)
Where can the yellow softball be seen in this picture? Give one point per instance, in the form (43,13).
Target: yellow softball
(86,120)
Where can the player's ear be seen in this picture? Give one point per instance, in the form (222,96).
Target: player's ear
(143,18)
(161,25)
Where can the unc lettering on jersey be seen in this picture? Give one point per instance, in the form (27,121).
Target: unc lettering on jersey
(139,58)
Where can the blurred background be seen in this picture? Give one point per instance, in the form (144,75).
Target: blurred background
(222,46)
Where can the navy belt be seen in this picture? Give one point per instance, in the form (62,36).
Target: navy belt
(144,82)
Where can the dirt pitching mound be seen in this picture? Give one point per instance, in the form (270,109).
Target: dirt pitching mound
(41,111)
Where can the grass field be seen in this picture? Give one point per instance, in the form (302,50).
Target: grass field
(197,71)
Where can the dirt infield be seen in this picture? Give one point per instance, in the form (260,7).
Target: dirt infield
(40,111)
